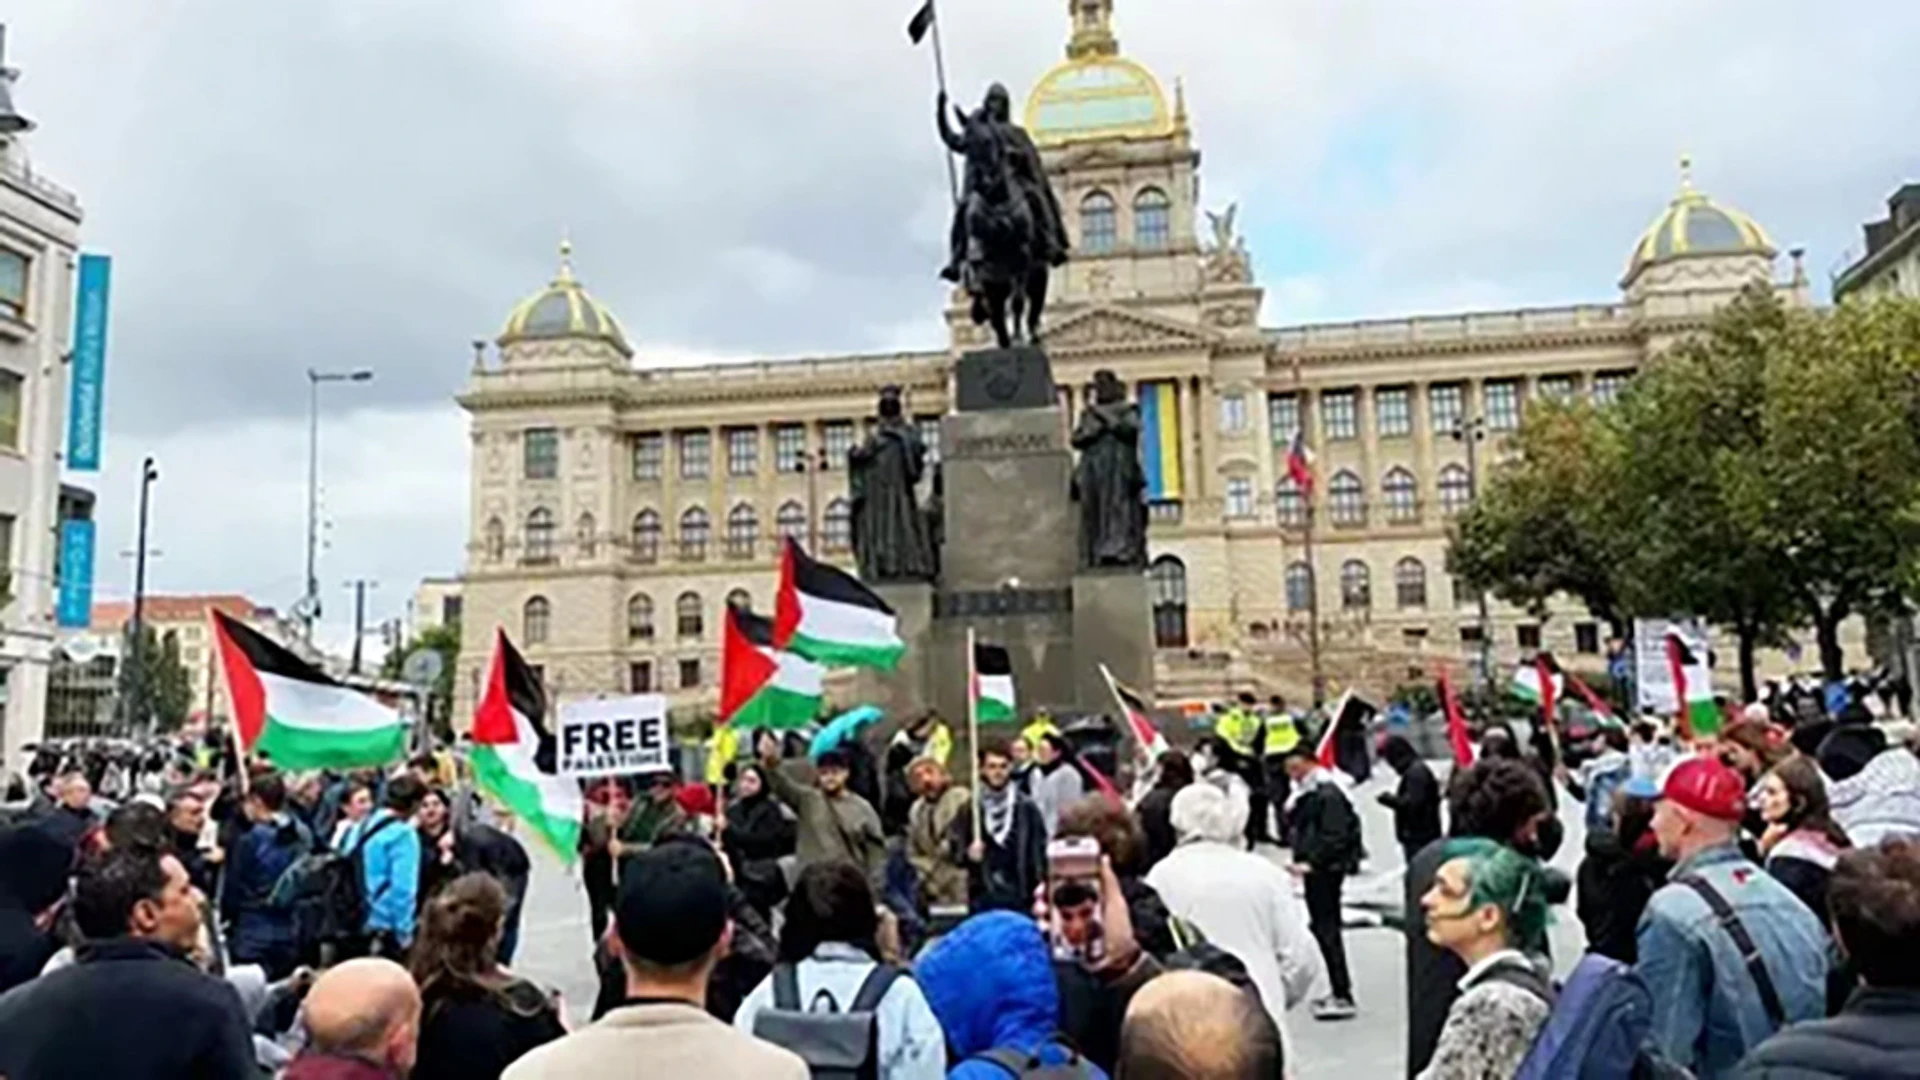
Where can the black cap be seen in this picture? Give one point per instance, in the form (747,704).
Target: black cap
(673,904)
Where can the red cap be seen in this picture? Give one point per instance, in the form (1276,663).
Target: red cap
(1705,786)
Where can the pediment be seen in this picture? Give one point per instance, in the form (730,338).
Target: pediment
(1112,326)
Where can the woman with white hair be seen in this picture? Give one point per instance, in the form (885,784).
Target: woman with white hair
(1242,902)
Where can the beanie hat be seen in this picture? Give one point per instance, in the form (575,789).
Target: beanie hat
(1848,749)
(1705,786)
(34,866)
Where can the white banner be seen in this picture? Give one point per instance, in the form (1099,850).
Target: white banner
(612,736)
(1652,673)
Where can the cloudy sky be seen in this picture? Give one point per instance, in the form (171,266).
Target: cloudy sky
(336,183)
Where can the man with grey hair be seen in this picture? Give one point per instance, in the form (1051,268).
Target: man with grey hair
(1242,902)
(363,1023)
(1189,1025)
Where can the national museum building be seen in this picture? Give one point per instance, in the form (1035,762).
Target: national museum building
(617,505)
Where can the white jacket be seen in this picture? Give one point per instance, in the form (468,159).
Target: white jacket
(1244,904)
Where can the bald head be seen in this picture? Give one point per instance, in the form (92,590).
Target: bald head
(1188,1025)
(367,1009)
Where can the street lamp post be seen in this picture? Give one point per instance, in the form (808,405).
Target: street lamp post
(149,472)
(1470,430)
(310,603)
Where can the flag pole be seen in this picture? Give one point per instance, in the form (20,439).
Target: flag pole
(940,75)
(973,729)
(1114,689)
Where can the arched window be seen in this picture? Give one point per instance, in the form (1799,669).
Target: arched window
(694,529)
(1356,586)
(494,540)
(646,536)
(1151,228)
(1410,583)
(586,536)
(538,545)
(1098,231)
(740,600)
(536,618)
(640,617)
(1456,494)
(1290,504)
(743,531)
(1401,494)
(1347,499)
(1168,580)
(688,619)
(836,528)
(1299,587)
(791,521)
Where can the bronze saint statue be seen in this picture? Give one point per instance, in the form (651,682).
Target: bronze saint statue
(1109,483)
(1007,234)
(889,528)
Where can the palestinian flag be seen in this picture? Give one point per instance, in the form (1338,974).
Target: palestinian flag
(1537,682)
(761,686)
(1349,712)
(993,700)
(1458,740)
(513,753)
(1139,721)
(1603,713)
(1695,710)
(826,615)
(295,714)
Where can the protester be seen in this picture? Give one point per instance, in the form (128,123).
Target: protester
(260,926)
(356,804)
(1875,899)
(1649,752)
(927,737)
(363,1021)
(1720,918)
(1488,907)
(834,823)
(1416,802)
(1874,789)
(655,814)
(131,1007)
(1620,872)
(450,849)
(1124,845)
(1241,901)
(1056,781)
(670,928)
(830,946)
(304,791)
(990,985)
(186,824)
(939,808)
(72,817)
(702,810)
(33,882)
(1801,842)
(1326,846)
(758,835)
(389,850)
(1174,771)
(1007,861)
(1600,777)
(1188,1025)
(434,820)
(476,1018)
(1213,764)
(597,866)
(1499,799)
(1020,752)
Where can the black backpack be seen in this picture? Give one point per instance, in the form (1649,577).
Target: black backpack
(1027,1066)
(327,891)
(835,1045)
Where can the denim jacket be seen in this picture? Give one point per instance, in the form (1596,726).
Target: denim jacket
(1707,1012)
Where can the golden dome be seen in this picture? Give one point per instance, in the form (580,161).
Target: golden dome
(1096,93)
(1693,224)
(563,310)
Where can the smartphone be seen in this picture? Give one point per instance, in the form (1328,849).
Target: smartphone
(1074,899)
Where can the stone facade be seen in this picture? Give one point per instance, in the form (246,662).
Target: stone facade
(616,504)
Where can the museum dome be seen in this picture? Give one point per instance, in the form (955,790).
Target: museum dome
(1096,93)
(1694,224)
(563,309)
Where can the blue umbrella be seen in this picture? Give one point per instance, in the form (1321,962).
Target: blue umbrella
(843,728)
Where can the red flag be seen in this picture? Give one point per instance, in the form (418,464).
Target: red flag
(1549,689)
(1325,752)
(1456,725)
(1594,701)
(745,667)
(1678,656)
(1300,462)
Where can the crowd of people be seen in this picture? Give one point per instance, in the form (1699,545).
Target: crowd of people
(1751,908)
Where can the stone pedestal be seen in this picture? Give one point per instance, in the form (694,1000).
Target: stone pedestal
(1112,625)
(904,692)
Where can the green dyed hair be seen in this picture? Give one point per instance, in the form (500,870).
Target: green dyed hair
(1510,881)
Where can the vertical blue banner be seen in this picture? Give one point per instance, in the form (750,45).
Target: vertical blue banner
(89,373)
(75,604)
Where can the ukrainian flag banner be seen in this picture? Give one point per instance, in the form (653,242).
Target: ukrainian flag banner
(1160,439)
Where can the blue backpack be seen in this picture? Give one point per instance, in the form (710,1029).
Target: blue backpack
(1598,1026)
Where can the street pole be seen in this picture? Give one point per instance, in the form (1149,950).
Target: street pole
(360,587)
(1471,430)
(149,472)
(812,460)
(1313,609)
(310,603)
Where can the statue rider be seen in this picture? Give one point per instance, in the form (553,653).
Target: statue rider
(994,119)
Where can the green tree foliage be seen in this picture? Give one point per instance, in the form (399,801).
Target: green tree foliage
(156,690)
(445,640)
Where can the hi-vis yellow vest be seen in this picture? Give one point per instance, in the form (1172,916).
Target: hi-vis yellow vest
(1240,728)
(1282,734)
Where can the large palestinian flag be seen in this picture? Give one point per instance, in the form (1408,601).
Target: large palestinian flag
(826,615)
(294,713)
(761,686)
(513,753)
(1697,712)
(993,697)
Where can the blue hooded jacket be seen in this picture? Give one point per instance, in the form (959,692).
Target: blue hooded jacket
(991,985)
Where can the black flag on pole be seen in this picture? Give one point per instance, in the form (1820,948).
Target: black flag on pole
(921,22)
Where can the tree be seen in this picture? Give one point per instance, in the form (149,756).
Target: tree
(156,690)
(445,640)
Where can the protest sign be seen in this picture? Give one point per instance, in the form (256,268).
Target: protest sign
(612,736)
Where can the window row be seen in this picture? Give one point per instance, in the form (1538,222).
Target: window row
(1347,497)
(1356,586)
(1393,406)
(741,539)
(689,616)
(1100,221)
(694,450)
